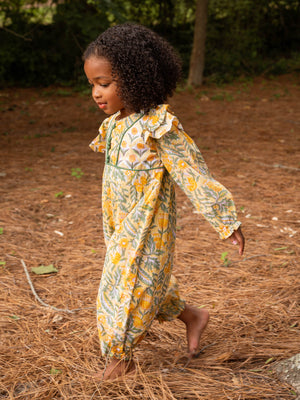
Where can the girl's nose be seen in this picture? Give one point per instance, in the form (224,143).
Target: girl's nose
(96,92)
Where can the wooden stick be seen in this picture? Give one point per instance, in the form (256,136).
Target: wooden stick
(243,260)
(38,298)
(278,166)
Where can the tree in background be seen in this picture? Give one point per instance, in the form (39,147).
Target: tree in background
(196,69)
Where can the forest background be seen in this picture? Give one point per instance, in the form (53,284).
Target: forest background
(41,42)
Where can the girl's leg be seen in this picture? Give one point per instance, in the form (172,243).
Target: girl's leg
(195,320)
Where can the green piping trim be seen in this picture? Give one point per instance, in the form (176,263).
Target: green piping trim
(111,127)
(128,169)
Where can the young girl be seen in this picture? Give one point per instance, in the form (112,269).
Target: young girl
(132,71)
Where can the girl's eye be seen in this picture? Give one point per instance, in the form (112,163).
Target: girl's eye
(103,85)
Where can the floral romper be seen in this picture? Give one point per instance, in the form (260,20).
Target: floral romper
(145,154)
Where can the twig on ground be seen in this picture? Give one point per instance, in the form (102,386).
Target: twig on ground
(255,256)
(198,353)
(244,259)
(105,367)
(37,296)
(278,166)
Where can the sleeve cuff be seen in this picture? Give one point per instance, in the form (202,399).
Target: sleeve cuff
(226,231)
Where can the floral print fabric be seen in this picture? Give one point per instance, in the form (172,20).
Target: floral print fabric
(145,154)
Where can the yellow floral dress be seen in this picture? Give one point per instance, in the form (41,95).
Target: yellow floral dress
(145,154)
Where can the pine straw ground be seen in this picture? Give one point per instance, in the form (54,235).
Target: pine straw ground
(249,136)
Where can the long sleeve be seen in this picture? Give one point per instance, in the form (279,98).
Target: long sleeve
(183,160)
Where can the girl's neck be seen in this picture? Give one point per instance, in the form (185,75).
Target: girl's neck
(124,114)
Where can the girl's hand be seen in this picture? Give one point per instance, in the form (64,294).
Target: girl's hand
(238,238)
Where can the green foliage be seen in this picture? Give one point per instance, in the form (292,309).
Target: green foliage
(55,371)
(44,269)
(222,96)
(14,317)
(59,195)
(41,43)
(225,259)
(77,172)
(33,52)
(249,37)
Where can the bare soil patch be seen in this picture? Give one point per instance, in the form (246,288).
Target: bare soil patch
(51,214)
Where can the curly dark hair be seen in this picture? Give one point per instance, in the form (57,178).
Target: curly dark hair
(145,66)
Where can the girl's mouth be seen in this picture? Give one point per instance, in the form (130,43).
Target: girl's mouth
(101,105)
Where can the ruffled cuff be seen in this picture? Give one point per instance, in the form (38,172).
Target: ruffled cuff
(226,231)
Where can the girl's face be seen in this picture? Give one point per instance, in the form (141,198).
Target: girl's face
(104,87)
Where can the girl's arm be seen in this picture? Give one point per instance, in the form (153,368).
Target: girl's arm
(184,162)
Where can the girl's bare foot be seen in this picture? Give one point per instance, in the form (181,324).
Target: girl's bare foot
(195,320)
(115,369)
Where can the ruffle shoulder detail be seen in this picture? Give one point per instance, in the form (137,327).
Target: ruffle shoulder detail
(159,121)
(99,143)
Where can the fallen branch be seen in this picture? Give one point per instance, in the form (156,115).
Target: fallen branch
(278,166)
(37,296)
(244,259)
(249,258)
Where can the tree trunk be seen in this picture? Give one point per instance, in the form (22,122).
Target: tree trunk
(198,53)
